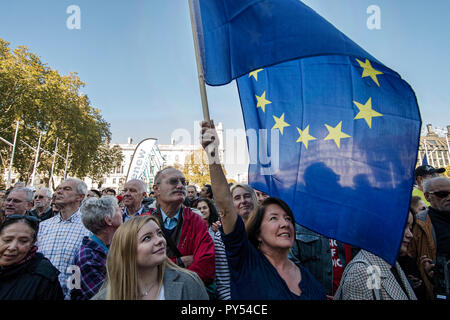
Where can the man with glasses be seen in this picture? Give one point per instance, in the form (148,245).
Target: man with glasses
(18,201)
(188,241)
(134,193)
(42,204)
(421,174)
(431,243)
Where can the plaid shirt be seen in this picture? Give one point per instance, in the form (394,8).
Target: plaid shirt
(356,285)
(91,258)
(59,241)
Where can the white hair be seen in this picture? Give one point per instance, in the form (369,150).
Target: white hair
(141,184)
(81,186)
(428,183)
(48,192)
(95,210)
(28,192)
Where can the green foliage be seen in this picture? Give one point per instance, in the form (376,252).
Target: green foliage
(106,158)
(42,100)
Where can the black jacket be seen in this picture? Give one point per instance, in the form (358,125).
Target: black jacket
(46,215)
(36,279)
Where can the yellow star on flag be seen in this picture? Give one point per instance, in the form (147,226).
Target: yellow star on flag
(366,112)
(305,136)
(280,123)
(262,101)
(369,71)
(336,134)
(254,74)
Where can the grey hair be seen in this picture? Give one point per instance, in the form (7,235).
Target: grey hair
(81,186)
(28,192)
(95,210)
(140,183)
(428,183)
(248,188)
(48,192)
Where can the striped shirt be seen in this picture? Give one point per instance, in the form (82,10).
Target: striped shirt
(222,271)
(59,240)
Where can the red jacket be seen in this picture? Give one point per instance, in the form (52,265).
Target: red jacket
(196,241)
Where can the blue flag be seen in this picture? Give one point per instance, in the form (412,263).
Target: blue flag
(424,160)
(330,130)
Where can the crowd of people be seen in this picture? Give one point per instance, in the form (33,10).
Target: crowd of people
(218,242)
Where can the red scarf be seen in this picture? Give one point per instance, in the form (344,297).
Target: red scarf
(29,256)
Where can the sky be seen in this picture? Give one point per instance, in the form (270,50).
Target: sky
(137,56)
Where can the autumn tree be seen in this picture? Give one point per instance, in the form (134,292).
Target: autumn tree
(196,168)
(43,101)
(447,172)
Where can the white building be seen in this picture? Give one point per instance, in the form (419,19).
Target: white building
(173,154)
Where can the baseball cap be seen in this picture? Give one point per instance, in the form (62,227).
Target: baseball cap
(427,170)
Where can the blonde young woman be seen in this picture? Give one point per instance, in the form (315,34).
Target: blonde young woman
(138,268)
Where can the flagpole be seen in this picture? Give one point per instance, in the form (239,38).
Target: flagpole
(8,184)
(36,159)
(448,149)
(201,76)
(426,150)
(50,184)
(67,160)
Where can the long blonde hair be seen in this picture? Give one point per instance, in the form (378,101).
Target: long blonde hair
(122,276)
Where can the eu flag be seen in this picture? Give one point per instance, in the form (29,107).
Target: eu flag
(330,129)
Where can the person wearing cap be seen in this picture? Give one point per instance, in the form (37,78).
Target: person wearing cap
(431,243)
(422,173)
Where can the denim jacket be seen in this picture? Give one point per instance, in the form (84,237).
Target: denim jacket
(313,251)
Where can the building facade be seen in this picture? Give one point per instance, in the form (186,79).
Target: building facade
(435,147)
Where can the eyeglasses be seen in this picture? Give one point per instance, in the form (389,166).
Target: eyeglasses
(19,216)
(174,181)
(38,197)
(440,194)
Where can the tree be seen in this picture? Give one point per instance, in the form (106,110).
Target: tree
(196,168)
(447,171)
(42,100)
(107,158)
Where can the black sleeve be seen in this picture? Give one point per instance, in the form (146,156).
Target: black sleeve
(50,290)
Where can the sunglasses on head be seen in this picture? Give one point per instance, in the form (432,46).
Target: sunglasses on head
(440,194)
(174,181)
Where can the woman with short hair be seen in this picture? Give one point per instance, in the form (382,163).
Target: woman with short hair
(102,216)
(258,258)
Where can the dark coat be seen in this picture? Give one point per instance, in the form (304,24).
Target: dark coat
(46,215)
(36,279)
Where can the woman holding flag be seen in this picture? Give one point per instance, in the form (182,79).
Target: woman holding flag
(258,252)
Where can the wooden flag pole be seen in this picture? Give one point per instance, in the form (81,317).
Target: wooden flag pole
(8,184)
(50,182)
(36,159)
(201,76)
